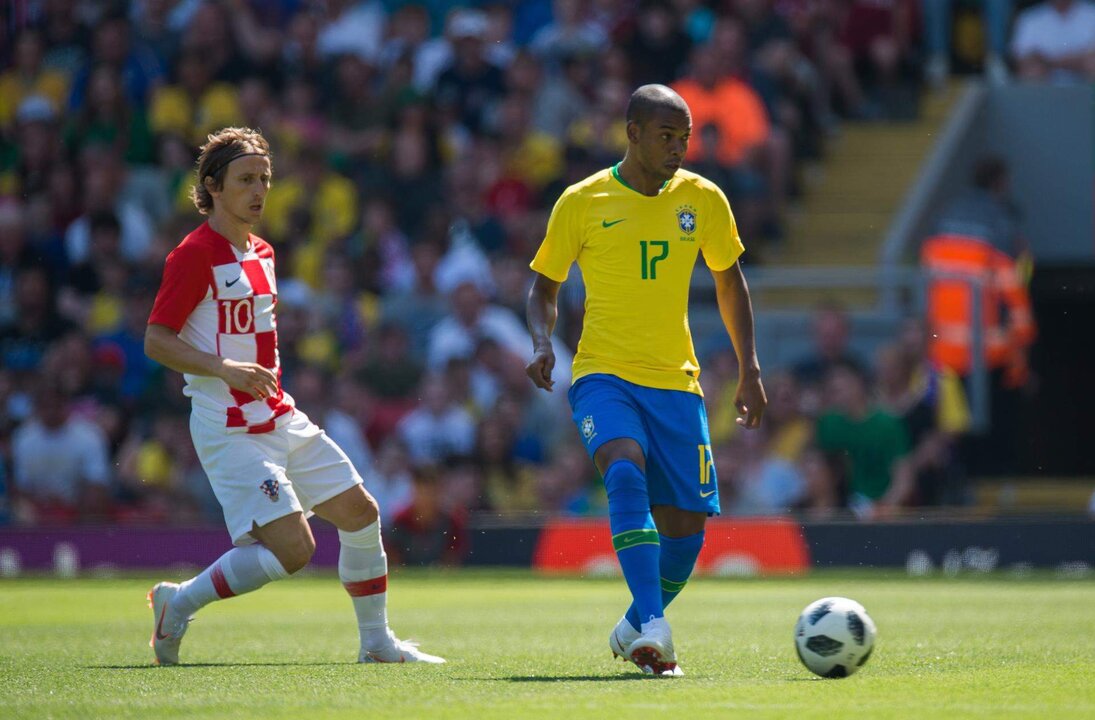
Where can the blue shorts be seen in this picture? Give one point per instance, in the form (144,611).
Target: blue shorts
(670,427)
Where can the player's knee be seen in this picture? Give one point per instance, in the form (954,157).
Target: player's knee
(370,511)
(350,511)
(296,554)
(675,522)
(621,449)
(360,513)
(625,485)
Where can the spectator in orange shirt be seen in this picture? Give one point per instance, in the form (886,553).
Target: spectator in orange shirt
(726,102)
(746,138)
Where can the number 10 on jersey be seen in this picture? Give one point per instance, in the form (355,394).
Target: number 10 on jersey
(650,260)
(237,317)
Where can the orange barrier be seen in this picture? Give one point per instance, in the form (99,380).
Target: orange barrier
(754,546)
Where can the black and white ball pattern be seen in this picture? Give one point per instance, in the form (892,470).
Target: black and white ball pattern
(834,637)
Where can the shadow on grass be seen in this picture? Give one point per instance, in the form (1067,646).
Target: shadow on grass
(149,666)
(571,678)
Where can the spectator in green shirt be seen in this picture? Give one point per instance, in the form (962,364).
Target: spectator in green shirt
(867,446)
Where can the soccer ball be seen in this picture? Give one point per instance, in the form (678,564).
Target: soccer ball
(834,637)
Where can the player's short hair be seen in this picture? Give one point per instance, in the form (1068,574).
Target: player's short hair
(220,149)
(649,99)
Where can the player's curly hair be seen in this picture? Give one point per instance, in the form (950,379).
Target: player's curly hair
(221,148)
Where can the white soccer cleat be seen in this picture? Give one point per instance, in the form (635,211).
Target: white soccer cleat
(167,631)
(653,650)
(397,651)
(622,635)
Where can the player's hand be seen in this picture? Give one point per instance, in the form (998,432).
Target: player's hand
(251,378)
(540,367)
(750,400)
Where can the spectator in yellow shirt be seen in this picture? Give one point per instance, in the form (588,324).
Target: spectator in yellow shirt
(194,105)
(310,208)
(27,77)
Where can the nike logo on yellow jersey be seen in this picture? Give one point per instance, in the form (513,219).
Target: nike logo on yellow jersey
(607,224)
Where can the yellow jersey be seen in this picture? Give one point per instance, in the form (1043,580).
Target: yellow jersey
(636,254)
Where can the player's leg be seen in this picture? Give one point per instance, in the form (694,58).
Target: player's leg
(681,533)
(682,485)
(246,473)
(612,429)
(650,644)
(635,539)
(363,569)
(320,469)
(680,536)
(284,546)
(612,426)
(634,536)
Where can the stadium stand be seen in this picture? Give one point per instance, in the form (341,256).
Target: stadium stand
(418,149)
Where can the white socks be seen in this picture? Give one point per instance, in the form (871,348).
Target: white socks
(363,569)
(238,571)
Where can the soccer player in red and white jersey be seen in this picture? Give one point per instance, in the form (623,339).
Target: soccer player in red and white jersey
(269,465)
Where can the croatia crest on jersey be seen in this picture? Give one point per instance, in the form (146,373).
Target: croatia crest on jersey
(271,487)
(686,219)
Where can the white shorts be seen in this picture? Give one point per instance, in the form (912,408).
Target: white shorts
(262,477)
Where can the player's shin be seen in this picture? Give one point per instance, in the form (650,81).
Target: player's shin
(363,570)
(676,561)
(238,571)
(634,536)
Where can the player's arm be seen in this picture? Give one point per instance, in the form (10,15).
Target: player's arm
(542,312)
(163,345)
(736,309)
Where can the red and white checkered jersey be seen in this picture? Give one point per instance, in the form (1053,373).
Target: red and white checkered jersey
(221,301)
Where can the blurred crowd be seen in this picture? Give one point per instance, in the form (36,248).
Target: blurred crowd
(418,148)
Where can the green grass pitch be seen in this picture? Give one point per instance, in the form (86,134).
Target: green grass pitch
(522,646)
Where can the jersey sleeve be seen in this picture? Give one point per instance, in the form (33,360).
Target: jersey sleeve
(720,242)
(184,285)
(562,241)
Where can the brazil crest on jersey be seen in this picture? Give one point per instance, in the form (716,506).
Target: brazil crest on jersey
(637,254)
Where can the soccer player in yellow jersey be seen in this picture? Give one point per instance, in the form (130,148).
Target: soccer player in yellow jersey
(634,230)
